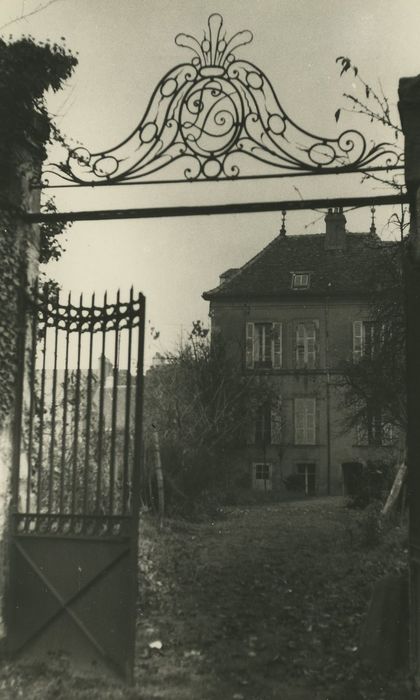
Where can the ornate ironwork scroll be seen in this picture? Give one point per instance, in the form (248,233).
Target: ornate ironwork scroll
(208,119)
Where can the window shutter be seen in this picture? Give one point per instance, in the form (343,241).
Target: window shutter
(360,434)
(310,329)
(357,340)
(299,422)
(387,436)
(317,345)
(310,421)
(300,345)
(249,345)
(276,422)
(277,345)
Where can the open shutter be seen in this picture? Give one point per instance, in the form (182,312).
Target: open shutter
(357,340)
(276,422)
(310,421)
(249,344)
(310,358)
(361,433)
(299,422)
(300,345)
(277,345)
(317,345)
(387,434)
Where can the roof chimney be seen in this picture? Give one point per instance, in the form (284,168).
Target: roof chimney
(335,229)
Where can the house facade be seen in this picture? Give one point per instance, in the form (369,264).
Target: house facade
(292,315)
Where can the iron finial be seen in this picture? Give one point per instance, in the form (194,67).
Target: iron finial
(214,52)
(373,225)
(283,223)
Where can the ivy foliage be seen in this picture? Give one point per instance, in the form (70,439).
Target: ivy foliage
(27,71)
(51,232)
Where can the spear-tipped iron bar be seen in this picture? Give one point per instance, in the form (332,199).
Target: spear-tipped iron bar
(135,478)
(53,422)
(32,378)
(42,405)
(88,411)
(74,486)
(126,491)
(65,401)
(114,412)
(101,411)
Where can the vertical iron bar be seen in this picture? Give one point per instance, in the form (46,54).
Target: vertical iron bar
(65,399)
(114,410)
(53,417)
(44,308)
(32,389)
(101,409)
(76,413)
(88,409)
(135,479)
(139,400)
(126,491)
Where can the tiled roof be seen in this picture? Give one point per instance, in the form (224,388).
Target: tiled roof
(351,271)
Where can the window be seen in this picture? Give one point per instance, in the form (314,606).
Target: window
(300,280)
(268,424)
(263,345)
(261,476)
(306,345)
(306,475)
(366,338)
(305,421)
(373,429)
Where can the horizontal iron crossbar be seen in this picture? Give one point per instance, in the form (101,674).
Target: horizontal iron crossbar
(44,183)
(211,209)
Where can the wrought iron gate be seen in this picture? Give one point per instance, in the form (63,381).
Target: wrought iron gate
(74,526)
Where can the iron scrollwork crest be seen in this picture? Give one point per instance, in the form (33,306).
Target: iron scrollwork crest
(211,117)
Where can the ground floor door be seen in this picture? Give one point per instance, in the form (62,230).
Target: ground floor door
(307,474)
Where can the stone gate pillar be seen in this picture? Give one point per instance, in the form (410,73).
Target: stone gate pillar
(409,105)
(19,259)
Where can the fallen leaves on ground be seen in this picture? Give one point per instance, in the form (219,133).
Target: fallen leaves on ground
(265,603)
(274,594)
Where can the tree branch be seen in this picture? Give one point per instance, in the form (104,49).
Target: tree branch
(40,8)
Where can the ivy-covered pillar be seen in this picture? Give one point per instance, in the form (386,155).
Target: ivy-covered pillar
(409,105)
(27,70)
(19,263)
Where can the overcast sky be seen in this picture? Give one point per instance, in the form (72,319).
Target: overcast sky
(124,48)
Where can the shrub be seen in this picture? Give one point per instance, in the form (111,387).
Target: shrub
(374,484)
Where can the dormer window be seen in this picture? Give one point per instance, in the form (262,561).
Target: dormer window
(300,280)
